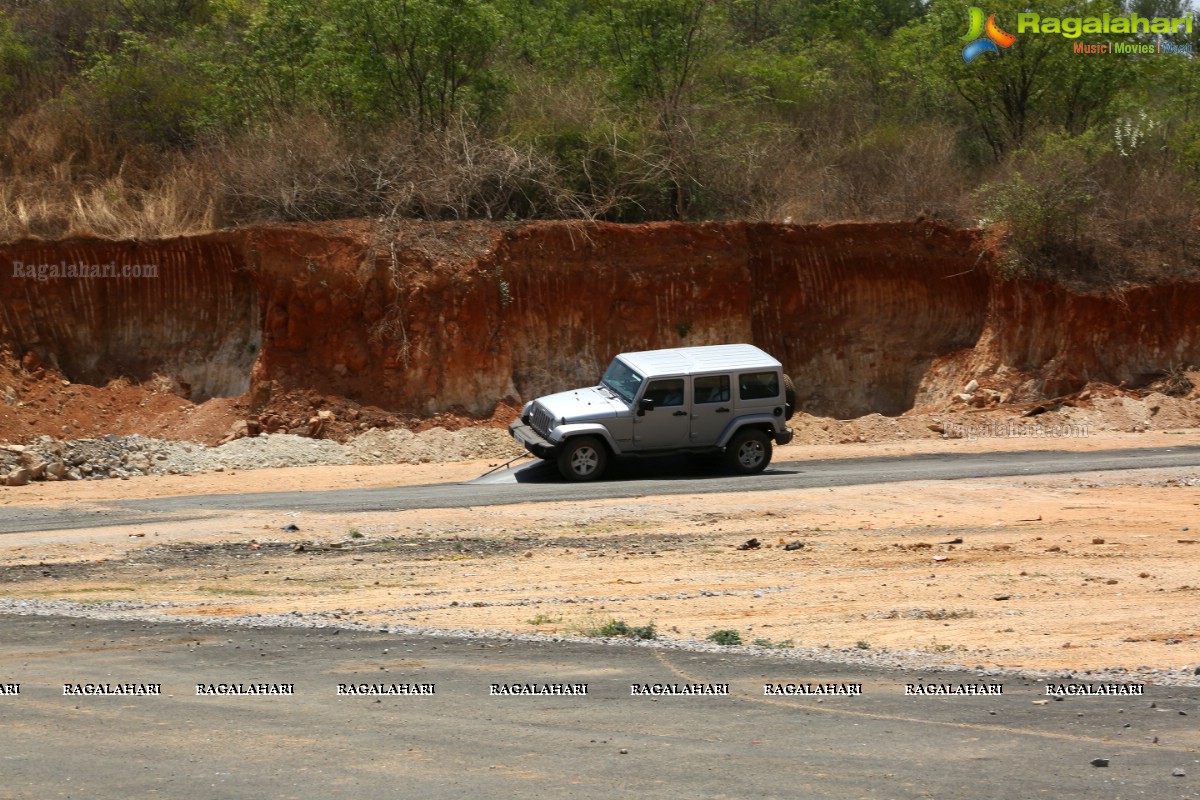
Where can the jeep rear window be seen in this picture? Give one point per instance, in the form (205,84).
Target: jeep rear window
(622,380)
(711,389)
(758,385)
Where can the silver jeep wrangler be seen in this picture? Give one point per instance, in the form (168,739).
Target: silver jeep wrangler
(730,399)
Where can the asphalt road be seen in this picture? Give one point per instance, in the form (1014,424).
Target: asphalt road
(538,482)
(463,743)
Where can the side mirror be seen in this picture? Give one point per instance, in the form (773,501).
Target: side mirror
(644,405)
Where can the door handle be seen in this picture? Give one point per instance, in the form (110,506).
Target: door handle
(679,414)
(722,411)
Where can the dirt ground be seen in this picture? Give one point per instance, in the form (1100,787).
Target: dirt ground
(1086,571)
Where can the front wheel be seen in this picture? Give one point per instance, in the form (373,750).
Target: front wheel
(582,459)
(748,452)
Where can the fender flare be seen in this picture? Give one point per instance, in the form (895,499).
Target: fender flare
(563,432)
(759,421)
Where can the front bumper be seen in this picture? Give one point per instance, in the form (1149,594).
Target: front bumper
(531,440)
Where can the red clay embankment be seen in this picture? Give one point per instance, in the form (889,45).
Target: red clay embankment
(437,316)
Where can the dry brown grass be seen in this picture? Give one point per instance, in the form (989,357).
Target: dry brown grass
(181,203)
(62,177)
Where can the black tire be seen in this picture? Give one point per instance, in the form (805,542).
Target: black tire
(789,397)
(749,452)
(583,458)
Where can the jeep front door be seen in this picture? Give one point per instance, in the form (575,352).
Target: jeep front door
(663,422)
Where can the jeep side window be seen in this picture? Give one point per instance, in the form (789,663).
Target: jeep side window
(758,385)
(711,389)
(665,392)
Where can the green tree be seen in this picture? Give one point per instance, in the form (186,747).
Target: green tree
(1037,81)
(656,50)
(280,73)
(148,91)
(16,62)
(425,59)
(372,60)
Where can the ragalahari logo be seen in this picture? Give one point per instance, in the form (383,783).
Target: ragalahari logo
(984,37)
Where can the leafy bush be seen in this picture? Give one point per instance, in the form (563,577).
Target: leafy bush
(1098,210)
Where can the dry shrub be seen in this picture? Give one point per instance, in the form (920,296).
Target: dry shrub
(897,173)
(298,169)
(892,173)
(1175,382)
(1144,224)
(63,178)
(57,141)
(458,173)
(764,176)
(596,161)
(307,169)
(540,110)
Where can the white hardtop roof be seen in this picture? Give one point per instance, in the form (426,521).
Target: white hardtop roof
(688,360)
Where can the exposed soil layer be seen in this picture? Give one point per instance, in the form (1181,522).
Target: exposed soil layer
(456,323)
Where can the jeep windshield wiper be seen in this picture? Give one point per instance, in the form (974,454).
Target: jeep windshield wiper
(611,390)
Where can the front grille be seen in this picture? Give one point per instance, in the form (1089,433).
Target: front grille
(540,420)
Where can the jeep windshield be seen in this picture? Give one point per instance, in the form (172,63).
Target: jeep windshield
(622,380)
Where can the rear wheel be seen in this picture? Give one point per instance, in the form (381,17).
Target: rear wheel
(748,452)
(582,459)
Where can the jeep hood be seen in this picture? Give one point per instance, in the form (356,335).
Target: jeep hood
(583,405)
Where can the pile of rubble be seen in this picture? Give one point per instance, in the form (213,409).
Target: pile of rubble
(84,459)
(314,427)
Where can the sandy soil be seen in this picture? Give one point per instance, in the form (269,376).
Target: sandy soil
(1085,571)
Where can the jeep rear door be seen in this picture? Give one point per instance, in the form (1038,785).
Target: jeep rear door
(712,408)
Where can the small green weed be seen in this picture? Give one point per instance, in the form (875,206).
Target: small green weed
(725,638)
(618,627)
(786,644)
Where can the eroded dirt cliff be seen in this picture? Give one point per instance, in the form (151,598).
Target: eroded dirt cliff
(429,318)
(183,308)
